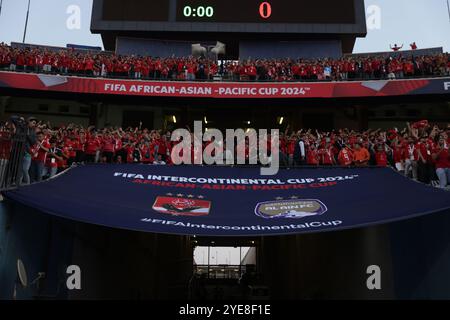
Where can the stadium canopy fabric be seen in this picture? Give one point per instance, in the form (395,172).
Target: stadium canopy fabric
(225,201)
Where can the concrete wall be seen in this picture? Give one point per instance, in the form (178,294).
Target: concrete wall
(414,257)
(114,263)
(46,110)
(421,257)
(121,264)
(290,49)
(327,265)
(153,48)
(42,242)
(113,114)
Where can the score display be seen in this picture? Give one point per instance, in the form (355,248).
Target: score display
(232,11)
(267,11)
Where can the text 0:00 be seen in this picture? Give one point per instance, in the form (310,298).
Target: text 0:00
(198,12)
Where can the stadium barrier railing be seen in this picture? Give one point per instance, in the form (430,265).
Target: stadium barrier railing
(12,148)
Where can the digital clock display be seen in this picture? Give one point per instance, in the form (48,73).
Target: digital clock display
(232,11)
(267,11)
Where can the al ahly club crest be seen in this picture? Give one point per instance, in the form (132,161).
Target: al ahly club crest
(182,205)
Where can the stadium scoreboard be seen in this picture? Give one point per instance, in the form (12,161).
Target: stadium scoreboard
(231,11)
(229,21)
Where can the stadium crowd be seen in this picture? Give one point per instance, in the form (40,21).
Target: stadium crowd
(70,62)
(420,151)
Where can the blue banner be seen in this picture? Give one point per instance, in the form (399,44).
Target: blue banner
(225,201)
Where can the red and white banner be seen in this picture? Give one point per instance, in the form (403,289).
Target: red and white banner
(236,90)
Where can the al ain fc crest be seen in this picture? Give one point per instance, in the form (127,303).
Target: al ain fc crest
(293,208)
(182,205)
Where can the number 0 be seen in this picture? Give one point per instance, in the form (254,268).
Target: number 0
(265,10)
(209,12)
(187,11)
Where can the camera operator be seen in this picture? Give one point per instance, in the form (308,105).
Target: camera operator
(7,130)
(27,130)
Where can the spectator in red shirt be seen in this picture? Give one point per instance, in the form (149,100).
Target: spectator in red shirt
(398,155)
(147,153)
(133,144)
(381,156)
(345,156)
(181,68)
(251,72)
(66,155)
(441,156)
(108,148)
(69,145)
(396,48)
(326,154)
(408,68)
(164,148)
(39,157)
(291,149)
(424,167)
(312,156)
(89,66)
(79,146)
(20,61)
(54,156)
(92,146)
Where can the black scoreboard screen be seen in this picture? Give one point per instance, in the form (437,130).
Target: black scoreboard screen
(136,10)
(232,11)
(267,11)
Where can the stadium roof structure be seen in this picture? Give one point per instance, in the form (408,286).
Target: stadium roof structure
(225,201)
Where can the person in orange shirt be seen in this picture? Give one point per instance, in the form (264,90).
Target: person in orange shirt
(361,156)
